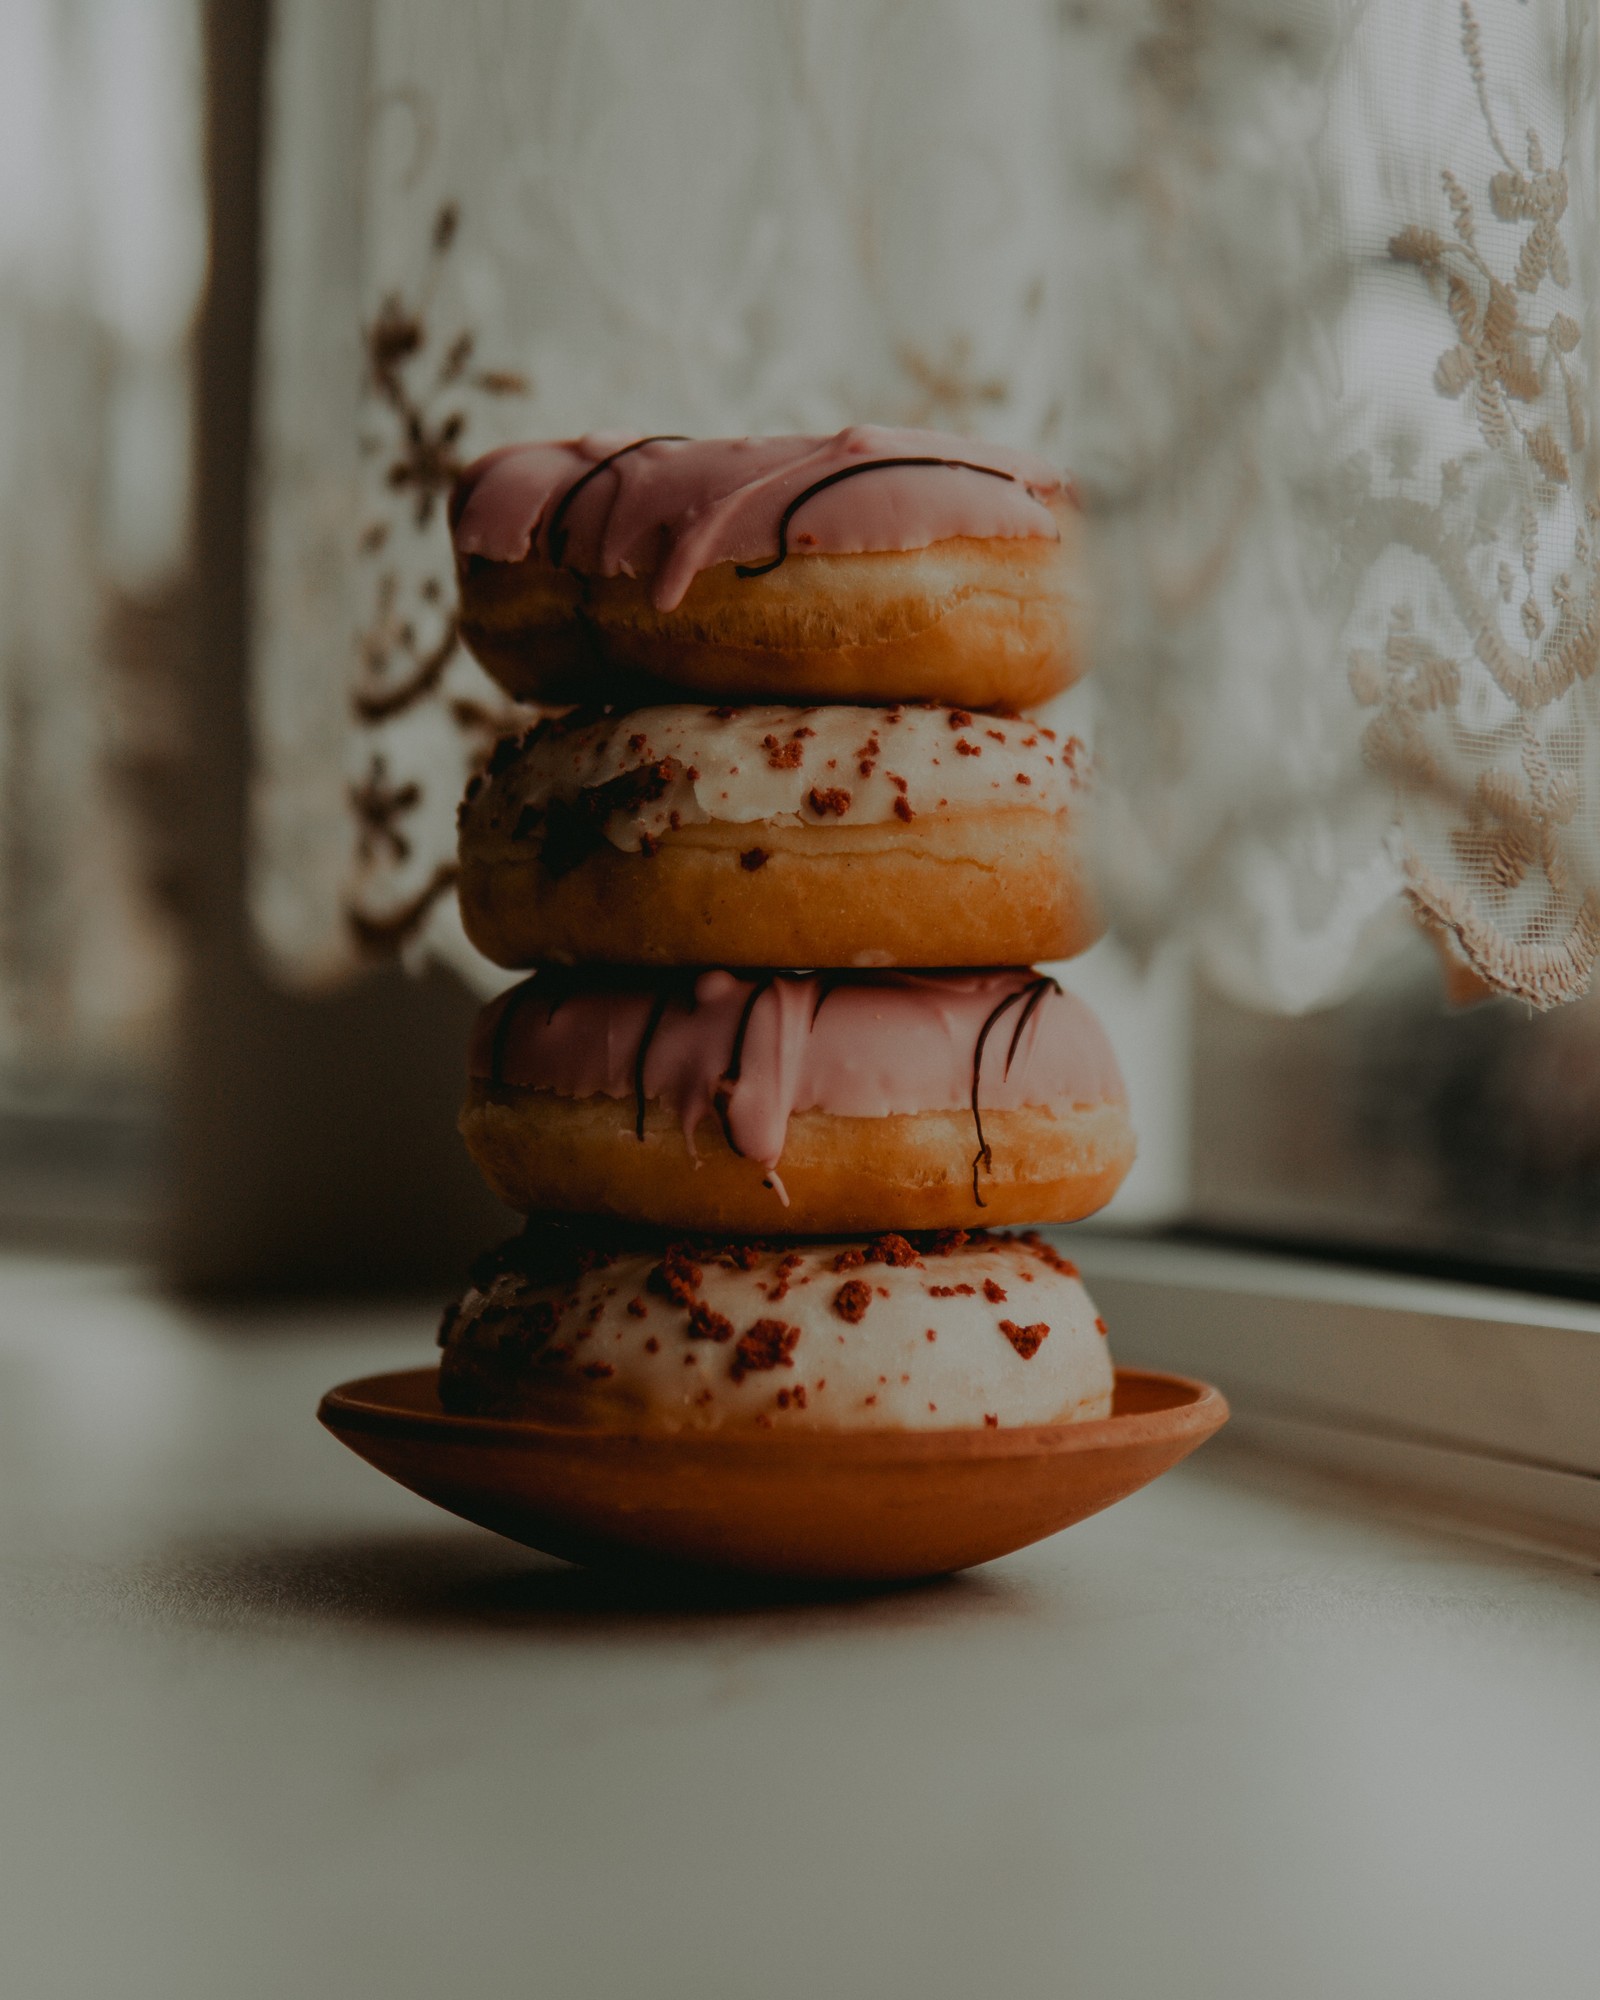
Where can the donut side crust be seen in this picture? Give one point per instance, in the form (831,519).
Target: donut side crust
(969,623)
(1002,887)
(907,1171)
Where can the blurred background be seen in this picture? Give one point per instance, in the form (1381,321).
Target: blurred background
(211,1055)
(103,250)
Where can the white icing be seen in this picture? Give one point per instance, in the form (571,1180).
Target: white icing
(880,1372)
(790,766)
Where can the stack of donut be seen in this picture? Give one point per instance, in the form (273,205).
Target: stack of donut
(782,1075)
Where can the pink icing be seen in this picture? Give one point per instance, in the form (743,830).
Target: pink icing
(878,1044)
(673,508)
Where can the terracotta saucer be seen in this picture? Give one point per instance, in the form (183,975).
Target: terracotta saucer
(862,1507)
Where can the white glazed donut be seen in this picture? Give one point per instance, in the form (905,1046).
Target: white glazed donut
(832,836)
(949,1333)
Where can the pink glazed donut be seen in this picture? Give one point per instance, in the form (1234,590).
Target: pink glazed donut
(797,1102)
(876,565)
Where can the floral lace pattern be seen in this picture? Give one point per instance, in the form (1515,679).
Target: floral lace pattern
(1315,341)
(564,222)
(1497,811)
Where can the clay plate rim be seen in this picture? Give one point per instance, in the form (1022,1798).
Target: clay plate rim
(1162,1408)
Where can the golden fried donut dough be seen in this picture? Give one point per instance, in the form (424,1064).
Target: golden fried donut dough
(540,1151)
(997,888)
(978,624)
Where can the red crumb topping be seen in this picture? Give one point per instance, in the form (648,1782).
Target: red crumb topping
(828,799)
(953,1292)
(704,1324)
(652,1345)
(1027,1340)
(637,1308)
(903,809)
(753,858)
(851,1300)
(992,1423)
(1100,1327)
(770,1343)
(966,748)
(794,1398)
(960,719)
(891,1249)
(1047,1253)
(995,1294)
(931,1334)
(676,1277)
(783,756)
(597,1371)
(849,1260)
(1023,778)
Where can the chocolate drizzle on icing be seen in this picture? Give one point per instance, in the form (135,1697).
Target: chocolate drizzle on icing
(1031,995)
(722,1097)
(833,479)
(556,538)
(658,1008)
(554,986)
(1035,994)
(829,980)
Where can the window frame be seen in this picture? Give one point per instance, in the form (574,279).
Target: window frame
(1481,1403)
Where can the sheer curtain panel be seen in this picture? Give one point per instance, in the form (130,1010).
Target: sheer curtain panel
(1303,294)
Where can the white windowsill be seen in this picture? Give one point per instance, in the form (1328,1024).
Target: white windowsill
(1486,1403)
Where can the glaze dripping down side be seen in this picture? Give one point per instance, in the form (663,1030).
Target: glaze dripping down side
(751,1051)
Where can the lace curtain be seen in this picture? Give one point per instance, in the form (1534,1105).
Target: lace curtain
(102,255)
(1303,294)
